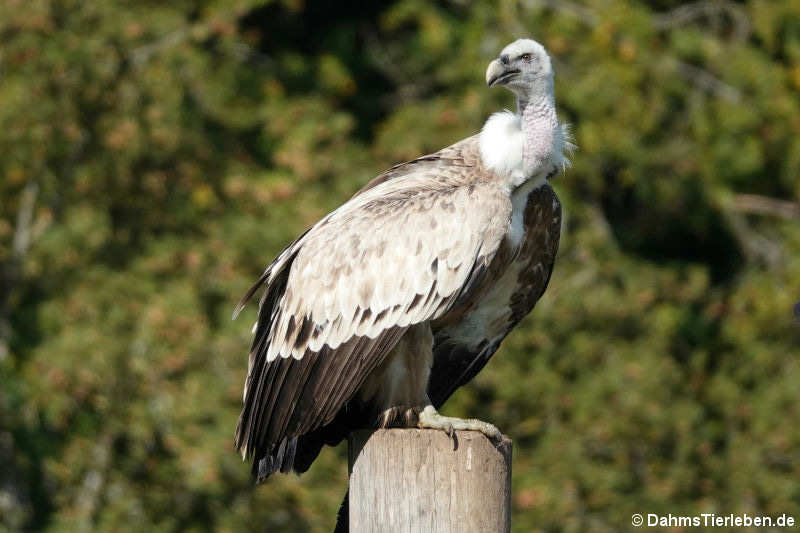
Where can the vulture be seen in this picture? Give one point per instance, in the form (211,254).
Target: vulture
(381,310)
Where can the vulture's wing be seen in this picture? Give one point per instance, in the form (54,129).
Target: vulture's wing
(340,297)
(461,349)
(457,156)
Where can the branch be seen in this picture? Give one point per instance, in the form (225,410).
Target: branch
(754,245)
(90,492)
(15,501)
(22,234)
(11,270)
(764,205)
(706,81)
(141,55)
(713,10)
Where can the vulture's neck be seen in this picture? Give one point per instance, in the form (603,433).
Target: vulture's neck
(538,122)
(520,147)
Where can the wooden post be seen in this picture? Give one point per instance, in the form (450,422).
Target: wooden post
(412,480)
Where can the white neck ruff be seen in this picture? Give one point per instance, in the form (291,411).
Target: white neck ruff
(517,154)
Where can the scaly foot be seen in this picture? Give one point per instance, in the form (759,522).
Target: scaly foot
(430,418)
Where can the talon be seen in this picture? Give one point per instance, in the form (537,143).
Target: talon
(430,418)
(493,433)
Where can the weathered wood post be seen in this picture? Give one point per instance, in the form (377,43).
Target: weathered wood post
(412,480)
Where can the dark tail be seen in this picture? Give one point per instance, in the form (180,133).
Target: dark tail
(343,516)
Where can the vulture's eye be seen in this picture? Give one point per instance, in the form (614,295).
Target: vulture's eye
(526,58)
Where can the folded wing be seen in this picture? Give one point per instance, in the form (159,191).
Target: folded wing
(337,300)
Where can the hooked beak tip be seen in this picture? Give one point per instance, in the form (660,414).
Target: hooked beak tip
(496,73)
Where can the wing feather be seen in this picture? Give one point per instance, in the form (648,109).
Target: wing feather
(340,297)
(462,347)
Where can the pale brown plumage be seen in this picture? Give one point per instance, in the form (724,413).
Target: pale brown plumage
(402,294)
(423,244)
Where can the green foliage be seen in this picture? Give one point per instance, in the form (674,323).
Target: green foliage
(158,155)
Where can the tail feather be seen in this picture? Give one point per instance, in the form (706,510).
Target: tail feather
(280,460)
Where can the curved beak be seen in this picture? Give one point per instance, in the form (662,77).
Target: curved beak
(497,74)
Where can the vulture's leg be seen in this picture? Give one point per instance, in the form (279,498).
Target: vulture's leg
(430,418)
(399,387)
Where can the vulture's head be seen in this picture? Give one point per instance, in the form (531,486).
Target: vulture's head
(523,67)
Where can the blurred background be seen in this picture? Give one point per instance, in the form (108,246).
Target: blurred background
(156,156)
